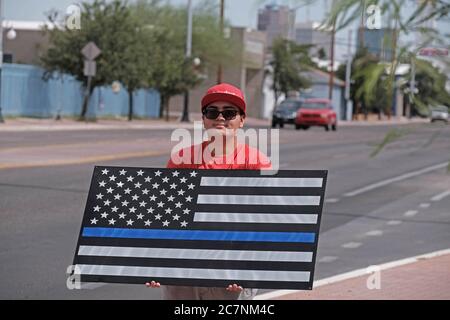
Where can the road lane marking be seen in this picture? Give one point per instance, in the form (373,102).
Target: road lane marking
(354,274)
(395,179)
(327,259)
(441,196)
(424,205)
(50,163)
(351,245)
(331,200)
(394,222)
(410,213)
(374,233)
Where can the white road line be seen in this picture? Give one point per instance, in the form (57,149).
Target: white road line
(441,196)
(354,274)
(394,222)
(331,200)
(424,205)
(351,245)
(327,259)
(395,179)
(410,213)
(374,233)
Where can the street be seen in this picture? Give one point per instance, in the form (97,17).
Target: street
(378,209)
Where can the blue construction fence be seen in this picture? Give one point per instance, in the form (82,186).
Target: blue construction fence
(26,94)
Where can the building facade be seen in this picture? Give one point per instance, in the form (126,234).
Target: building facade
(247,73)
(276,21)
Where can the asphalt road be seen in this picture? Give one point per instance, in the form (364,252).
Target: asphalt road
(378,209)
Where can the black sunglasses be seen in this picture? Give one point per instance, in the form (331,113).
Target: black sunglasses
(213,113)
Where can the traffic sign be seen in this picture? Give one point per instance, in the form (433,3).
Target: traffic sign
(431,52)
(90,68)
(90,51)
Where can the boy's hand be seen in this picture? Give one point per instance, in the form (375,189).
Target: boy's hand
(152,284)
(234,288)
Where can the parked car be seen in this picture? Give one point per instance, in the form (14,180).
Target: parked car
(316,112)
(439,113)
(286,112)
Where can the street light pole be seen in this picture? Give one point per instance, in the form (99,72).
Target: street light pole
(222,8)
(1,58)
(185,116)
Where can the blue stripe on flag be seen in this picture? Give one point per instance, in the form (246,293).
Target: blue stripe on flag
(200,235)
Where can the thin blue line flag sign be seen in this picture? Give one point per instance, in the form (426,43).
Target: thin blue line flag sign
(205,228)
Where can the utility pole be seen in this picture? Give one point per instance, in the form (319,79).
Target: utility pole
(331,80)
(348,72)
(222,9)
(185,116)
(412,87)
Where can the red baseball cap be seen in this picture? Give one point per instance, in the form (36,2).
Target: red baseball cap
(224,92)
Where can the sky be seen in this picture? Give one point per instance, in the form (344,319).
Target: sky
(242,13)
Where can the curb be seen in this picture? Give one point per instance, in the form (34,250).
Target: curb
(356,273)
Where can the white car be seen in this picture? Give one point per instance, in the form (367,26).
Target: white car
(439,113)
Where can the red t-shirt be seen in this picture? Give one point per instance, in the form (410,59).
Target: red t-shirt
(244,157)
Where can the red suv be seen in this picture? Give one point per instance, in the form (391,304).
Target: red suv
(316,112)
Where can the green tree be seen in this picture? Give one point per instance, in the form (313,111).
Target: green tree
(430,83)
(168,70)
(289,60)
(344,12)
(110,26)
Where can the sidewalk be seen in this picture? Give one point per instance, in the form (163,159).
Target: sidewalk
(67,124)
(425,277)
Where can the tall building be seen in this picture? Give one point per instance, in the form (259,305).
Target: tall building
(309,33)
(377,41)
(276,21)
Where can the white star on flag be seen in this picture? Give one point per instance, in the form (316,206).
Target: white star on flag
(94,221)
(96,209)
(127,191)
(130,179)
(122,172)
(140,173)
(109,190)
(130,222)
(104,215)
(183,180)
(165,223)
(148,179)
(102,183)
(99,196)
(112,178)
(175,173)
(184,224)
(158,217)
(193,174)
(165,180)
(105,171)
(112,221)
(158,173)
(150,210)
(148,223)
